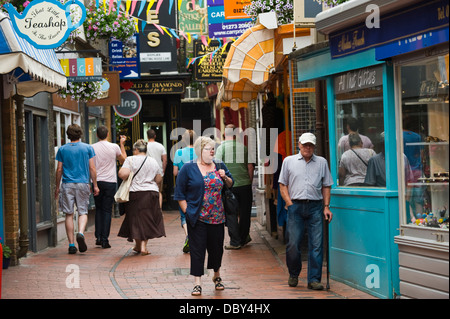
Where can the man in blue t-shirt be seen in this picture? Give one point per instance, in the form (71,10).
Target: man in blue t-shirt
(75,168)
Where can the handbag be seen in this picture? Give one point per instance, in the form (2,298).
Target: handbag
(229,200)
(123,193)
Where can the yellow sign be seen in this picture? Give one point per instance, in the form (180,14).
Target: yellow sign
(234,9)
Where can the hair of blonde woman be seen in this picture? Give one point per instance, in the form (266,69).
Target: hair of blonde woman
(189,137)
(140,145)
(200,144)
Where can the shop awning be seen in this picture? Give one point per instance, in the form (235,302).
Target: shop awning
(247,68)
(31,70)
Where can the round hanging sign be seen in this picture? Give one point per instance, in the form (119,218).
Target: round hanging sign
(130,104)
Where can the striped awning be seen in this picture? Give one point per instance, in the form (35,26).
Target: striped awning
(247,68)
(30,69)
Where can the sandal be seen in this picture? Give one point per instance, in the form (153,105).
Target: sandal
(218,283)
(197,291)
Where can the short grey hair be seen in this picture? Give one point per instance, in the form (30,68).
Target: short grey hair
(140,145)
(200,144)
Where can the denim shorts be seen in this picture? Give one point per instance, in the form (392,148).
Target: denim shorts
(74,194)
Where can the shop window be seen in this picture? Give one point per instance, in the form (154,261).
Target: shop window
(425,124)
(360,128)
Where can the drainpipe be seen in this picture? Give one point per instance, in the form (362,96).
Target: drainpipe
(22,171)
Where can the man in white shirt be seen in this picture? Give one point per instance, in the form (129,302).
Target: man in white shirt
(158,152)
(106,154)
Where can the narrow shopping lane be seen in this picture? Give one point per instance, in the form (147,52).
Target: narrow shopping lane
(256,271)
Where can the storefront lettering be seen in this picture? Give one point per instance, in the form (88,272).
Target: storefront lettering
(358,79)
(153,37)
(347,43)
(161,87)
(442,12)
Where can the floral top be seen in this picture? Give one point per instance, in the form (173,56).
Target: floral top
(212,211)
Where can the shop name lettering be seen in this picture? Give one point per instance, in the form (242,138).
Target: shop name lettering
(357,80)
(351,42)
(50,23)
(158,87)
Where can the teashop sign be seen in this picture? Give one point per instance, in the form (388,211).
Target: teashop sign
(46,23)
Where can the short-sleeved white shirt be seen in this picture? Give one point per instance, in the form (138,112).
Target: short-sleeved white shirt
(106,154)
(156,150)
(145,178)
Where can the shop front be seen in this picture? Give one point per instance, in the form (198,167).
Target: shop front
(389,235)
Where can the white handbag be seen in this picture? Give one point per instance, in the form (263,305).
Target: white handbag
(123,193)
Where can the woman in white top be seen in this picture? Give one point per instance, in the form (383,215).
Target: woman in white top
(353,165)
(143,215)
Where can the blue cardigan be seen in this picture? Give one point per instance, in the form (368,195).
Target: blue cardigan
(191,188)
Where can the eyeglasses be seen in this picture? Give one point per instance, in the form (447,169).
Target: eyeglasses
(208,149)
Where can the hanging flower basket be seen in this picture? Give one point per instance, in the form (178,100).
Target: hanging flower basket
(103,23)
(283,8)
(82,91)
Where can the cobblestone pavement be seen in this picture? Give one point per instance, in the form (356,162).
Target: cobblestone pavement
(256,271)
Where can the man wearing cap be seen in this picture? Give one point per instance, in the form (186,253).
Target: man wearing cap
(305,185)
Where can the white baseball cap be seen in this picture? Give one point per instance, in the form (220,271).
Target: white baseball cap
(307,138)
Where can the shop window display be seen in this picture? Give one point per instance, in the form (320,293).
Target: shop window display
(360,128)
(425,124)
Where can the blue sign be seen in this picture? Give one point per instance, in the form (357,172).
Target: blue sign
(427,16)
(219,26)
(124,58)
(46,24)
(417,42)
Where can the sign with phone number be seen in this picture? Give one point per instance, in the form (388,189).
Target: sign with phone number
(222,26)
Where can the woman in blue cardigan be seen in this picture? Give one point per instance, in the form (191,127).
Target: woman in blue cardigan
(198,191)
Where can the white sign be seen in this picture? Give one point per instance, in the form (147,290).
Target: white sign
(45,23)
(156,57)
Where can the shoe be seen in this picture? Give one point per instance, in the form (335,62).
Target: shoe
(98,242)
(72,250)
(247,240)
(293,281)
(186,246)
(315,285)
(106,244)
(218,283)
(197,291)
(81,243)
(231,247)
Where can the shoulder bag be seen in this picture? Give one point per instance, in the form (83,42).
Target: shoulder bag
(123,193)
(230,202)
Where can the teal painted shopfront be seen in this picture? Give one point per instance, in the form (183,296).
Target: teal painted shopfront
(362,252)
(389,234)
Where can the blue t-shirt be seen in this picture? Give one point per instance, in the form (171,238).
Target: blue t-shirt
(183,156)
(75,158)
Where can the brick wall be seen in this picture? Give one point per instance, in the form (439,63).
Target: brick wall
(9,170)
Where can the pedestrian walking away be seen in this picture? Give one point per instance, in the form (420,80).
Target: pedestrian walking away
(235,156)
(157,151)
(198,191)
(305,185)
(76,167)
(181,157)
(106,155)
(143,216)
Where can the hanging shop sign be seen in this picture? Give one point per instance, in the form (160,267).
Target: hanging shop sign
(124,57)
(192,17)
(157,39)
(234,9)
(175,86)
(220,26)
(211,68)
(46,24)
(82,69)
(130,104)
(110,92)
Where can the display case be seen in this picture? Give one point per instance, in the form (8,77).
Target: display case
(425,141)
